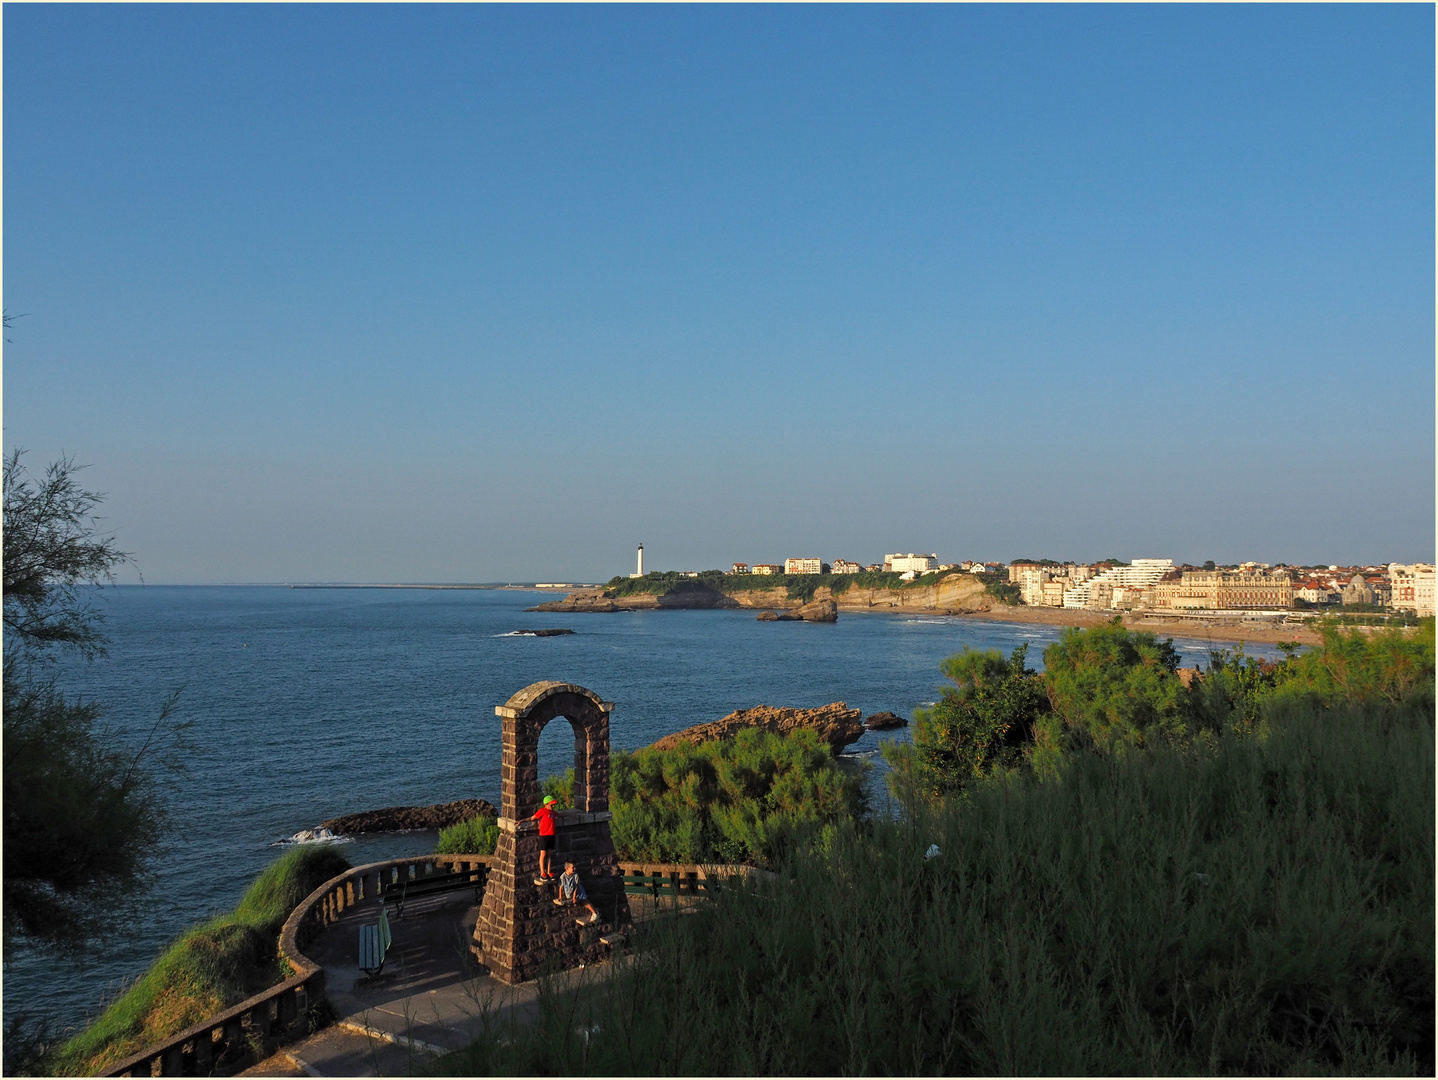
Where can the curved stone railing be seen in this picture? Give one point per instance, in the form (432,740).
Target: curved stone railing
(246,1032)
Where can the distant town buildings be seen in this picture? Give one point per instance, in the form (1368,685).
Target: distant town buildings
(1157,584)
(1358,591)
(1223,590)
(1117,586)
(1411,587)
(902,564)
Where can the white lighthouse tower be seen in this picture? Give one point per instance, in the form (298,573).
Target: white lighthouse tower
(641,562)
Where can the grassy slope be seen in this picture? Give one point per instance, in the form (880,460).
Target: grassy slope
(213,966)
(1260,904)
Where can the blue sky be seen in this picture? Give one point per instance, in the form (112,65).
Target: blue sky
(487,293)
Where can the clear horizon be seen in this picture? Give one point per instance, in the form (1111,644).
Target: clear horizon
(470,294)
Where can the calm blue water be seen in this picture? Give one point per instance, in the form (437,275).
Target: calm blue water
(310,703)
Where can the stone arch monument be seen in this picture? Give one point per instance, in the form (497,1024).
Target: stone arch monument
(519,929)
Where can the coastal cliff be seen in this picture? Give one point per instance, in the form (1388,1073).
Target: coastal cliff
(955,592)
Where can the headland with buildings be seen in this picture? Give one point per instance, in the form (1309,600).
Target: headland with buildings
(1242,601)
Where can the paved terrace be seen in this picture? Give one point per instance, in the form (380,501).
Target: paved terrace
(432,996)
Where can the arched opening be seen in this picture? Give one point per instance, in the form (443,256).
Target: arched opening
(561,761)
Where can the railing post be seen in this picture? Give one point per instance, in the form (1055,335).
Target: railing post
(234,1037)
(172,1061)
(205,1053)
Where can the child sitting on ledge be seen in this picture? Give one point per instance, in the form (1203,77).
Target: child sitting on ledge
(571,891)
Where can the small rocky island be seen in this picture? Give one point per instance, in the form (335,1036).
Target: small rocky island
(542,633)
(836,724)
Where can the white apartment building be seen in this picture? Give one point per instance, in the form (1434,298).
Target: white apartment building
(844,566)
(919,564)
(1412,585)
(766,568)
(1119,582)
(803,566)
(1031,581)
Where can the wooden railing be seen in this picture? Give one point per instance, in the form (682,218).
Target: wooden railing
(247,1032)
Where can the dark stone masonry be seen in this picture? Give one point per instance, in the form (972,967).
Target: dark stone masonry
(519,931)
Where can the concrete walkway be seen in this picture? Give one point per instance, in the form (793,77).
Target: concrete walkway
(430,999)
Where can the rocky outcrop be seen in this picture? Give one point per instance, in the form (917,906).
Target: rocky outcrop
(885,721)
(686,596)
(819,611)
(816,611)
(951,594)
(542,633)
(836,724)
(691,595)
(954,593)
(594,600)
(404,818)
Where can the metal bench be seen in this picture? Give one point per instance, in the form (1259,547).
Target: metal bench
(374,943)
(414,888)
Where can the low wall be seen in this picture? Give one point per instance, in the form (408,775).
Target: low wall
(247,1032)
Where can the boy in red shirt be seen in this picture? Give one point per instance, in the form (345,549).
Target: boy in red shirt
(545,816)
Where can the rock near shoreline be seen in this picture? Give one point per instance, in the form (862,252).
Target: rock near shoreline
(836,724)
(405,818)
(815,611)
(885,721)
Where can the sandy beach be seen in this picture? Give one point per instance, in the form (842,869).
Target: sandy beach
(1235,629)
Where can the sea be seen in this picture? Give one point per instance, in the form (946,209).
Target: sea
(307,703)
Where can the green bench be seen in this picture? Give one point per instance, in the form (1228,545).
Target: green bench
(414,888)
(374,943)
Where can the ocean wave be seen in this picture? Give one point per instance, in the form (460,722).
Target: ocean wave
(308,836)
(859,753)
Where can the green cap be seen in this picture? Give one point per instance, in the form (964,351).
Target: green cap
(549,799)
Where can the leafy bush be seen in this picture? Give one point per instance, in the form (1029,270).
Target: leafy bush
(1241,905)
(561,787)
(1112,687)
(981,723)
(213,966)
(744,799)
(1389,665)
(477,836)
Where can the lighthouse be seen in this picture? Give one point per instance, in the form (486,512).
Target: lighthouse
(641,562)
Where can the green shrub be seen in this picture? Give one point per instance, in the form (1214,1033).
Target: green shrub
(561,787)
(213,966)
(1112,687)
(1389,665)
(980,724)
(742,799)
(477,836)
(1242,905)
